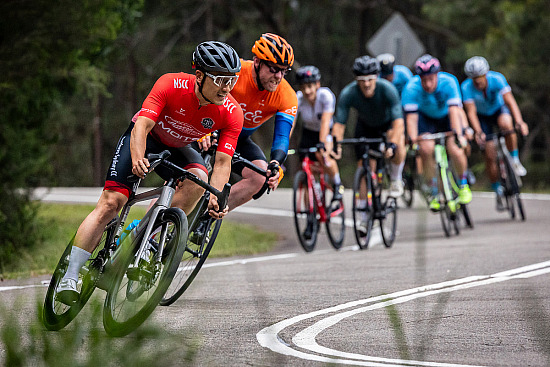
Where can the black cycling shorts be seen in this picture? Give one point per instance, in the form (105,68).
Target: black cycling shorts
(489,124)
(121,164)
(309,139)
(248,150)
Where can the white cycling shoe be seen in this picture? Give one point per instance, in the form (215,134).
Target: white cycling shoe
(67,292)
(396,188)
(520,170)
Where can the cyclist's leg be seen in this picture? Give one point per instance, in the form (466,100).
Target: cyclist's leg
(426,154)
(396,135)
(251,182)
(505,123)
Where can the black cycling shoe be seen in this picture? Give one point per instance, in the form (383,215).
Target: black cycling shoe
(309,230)
(338,192)
(199,232)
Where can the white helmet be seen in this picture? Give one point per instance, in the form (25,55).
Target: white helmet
(476,66)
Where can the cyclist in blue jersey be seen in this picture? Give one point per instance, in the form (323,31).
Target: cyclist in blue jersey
(316,106)
(399,75)
(432,103)
(489,103)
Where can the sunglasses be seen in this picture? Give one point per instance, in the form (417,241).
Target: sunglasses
(275,70)
(366,78)
(223,80)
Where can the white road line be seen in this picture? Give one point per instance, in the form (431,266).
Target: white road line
(306,339)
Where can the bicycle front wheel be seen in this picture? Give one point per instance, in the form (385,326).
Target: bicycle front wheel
(135,292)
(56,315)
(196,251)
(336,222)
(363,213)
(388,222)
(305,212)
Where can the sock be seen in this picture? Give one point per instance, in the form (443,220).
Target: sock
(434,186)
(76,260)
(396,171)
(464,179)
(495,186)
(337,180)
(514,153)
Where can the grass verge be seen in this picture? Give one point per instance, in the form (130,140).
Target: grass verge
(60,221)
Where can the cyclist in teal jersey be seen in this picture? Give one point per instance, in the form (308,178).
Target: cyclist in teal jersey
(399,75)
(489,103)
(379,111)
(432,103)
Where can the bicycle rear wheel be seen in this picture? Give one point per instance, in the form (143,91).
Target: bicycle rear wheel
(336,222)
(194,256)
(305,212)
(363,214)
(56,315)
(135,293)
(512,189)
(388,223)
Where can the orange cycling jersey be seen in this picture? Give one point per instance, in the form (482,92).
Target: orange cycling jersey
(180,119)
(258,106)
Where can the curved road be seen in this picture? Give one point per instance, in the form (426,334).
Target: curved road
(481,298)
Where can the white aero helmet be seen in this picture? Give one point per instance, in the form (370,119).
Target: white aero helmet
(476,66)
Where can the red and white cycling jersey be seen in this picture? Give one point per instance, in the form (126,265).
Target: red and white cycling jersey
(180,120)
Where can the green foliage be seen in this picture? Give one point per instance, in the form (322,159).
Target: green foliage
(50,50)
(84,343)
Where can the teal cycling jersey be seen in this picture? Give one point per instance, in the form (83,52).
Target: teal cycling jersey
(401,75)
(434,105)
(380,110)
(490,101)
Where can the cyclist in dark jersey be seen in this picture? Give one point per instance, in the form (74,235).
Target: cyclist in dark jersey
(180,109)
(379,111)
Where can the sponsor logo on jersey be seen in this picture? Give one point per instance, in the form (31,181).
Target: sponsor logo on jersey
(291,111)
(149,111)
(181,83)
(207,123)
(253,117)
(181,111)
(230,106)
(229,147)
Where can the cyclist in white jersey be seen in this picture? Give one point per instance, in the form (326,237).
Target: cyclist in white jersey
(316,106)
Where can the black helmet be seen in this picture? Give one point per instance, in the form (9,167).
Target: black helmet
(427,64)
(476,66)
(216,56)
(365,65)
(387,61)
(307,74)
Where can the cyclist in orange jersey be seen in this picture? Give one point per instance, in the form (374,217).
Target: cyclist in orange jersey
(263,93)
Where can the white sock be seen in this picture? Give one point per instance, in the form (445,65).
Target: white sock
(396,171)
(76,260)
(336,179)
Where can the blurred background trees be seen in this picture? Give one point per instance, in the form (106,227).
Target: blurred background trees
(74,73)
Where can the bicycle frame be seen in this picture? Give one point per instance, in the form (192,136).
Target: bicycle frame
(317,192)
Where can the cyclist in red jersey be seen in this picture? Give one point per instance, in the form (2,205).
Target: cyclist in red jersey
(263,93)
(180,109)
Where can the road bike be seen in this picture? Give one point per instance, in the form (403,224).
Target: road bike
(448,188)
(509,179)
(203,231)
(313,205)
(370,199)
(135,269)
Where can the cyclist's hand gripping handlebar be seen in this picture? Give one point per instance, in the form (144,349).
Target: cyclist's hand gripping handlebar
(154,161)
(274,168)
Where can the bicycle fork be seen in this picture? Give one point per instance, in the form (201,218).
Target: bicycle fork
(444,174)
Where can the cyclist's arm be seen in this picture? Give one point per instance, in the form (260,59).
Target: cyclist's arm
(471,113)
(411,120)
(138,143)
(325,126)
(281,136)
(397,131)
(516,113)
(456,124)
(220,176)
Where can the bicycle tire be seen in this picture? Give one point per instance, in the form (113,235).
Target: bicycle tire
(336,222)
(56,315)
(119,321)
(513,192)
(193,258)
(519,204)
(408,192)
(303,215)
(362,240)
(445,216)
(388,224)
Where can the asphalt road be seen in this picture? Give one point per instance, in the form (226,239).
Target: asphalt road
(481,298)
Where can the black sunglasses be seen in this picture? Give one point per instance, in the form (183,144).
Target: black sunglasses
(275,70)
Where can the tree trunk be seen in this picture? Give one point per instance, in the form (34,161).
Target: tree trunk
(98,174)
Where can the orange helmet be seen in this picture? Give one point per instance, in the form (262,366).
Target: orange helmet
(276,49)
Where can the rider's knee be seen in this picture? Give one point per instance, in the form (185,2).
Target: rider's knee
(110,203)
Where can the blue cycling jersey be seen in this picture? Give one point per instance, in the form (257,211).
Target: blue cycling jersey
(401,75)
(490,101)
(434,105)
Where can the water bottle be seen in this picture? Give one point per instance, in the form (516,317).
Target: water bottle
(131,230)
